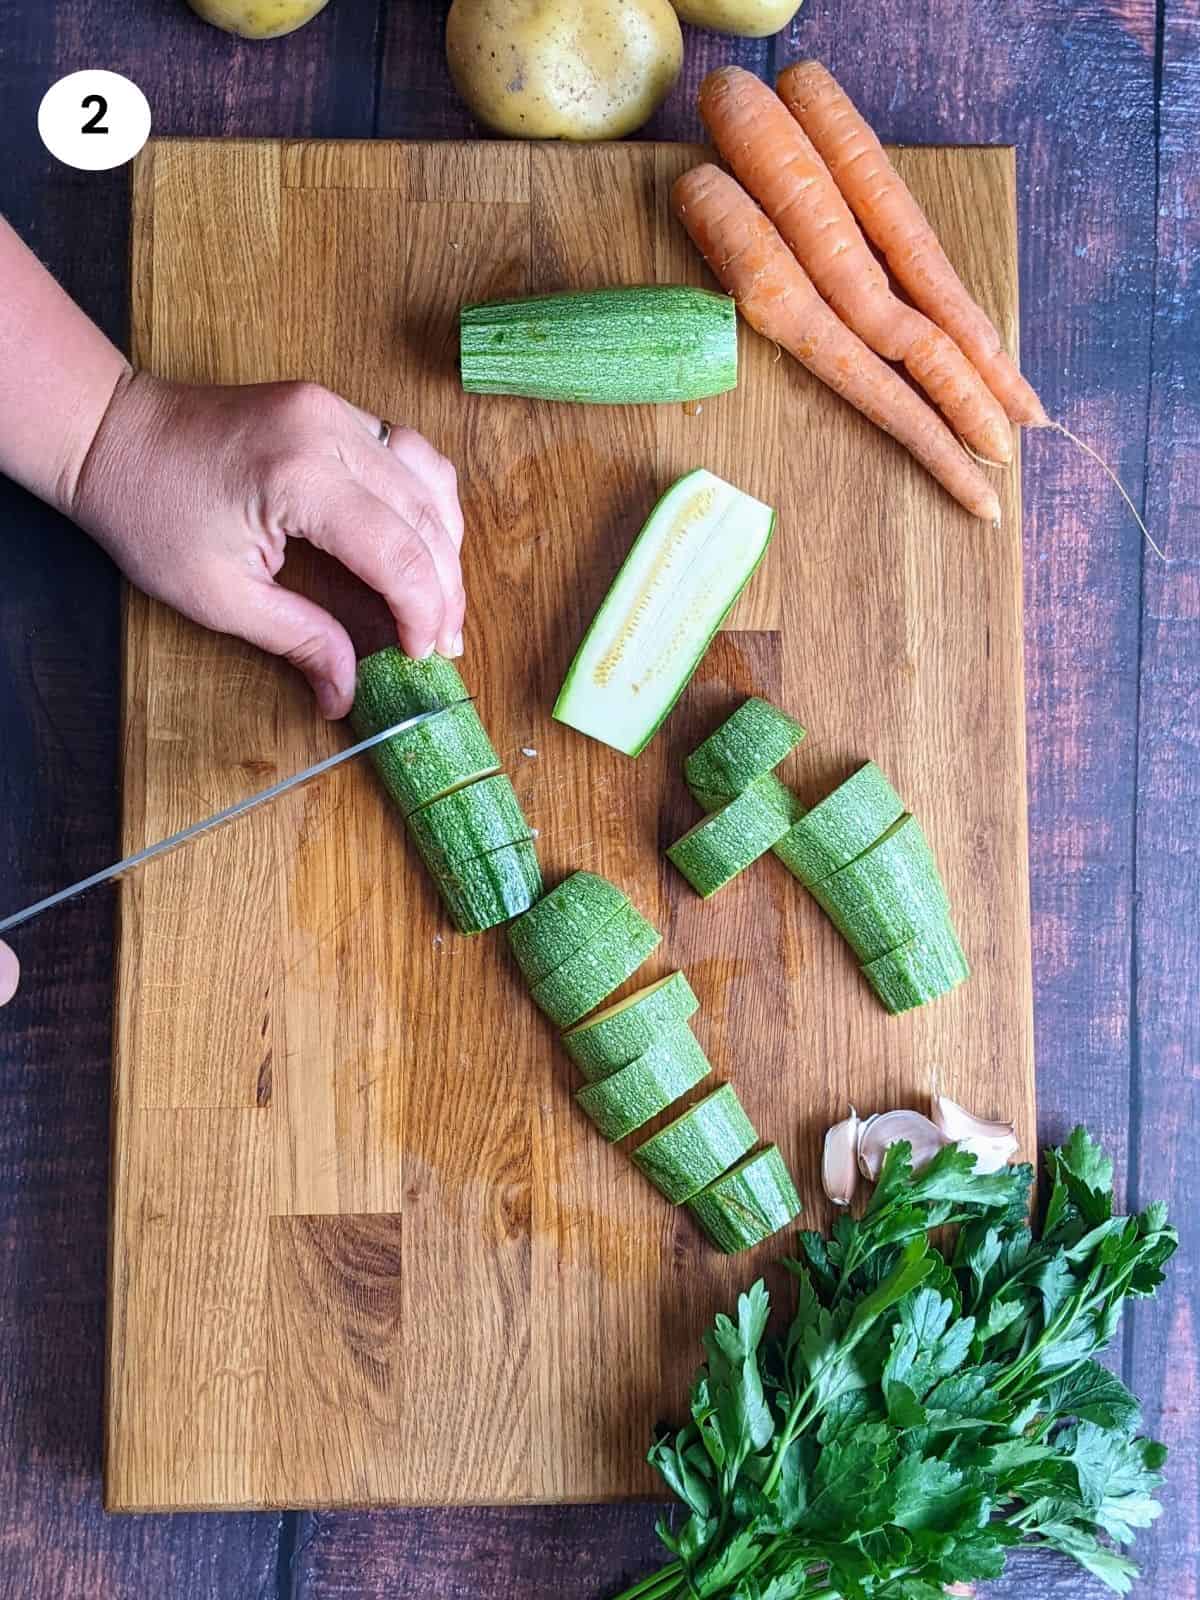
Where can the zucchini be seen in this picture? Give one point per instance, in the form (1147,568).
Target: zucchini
(610,956)
(726,842)
(602,346)
(468,822)
(920,969)
(889,894)
(749,1203)
(753,741)
(392,686)
(620,1033)
(563,923)
(622,1102)
(695,1149)
(425,762)
(490,889)
(841,826)
(688,565)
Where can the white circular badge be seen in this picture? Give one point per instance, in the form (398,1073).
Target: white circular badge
(94,120)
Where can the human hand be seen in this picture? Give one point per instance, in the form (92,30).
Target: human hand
(195,491)
(10,973)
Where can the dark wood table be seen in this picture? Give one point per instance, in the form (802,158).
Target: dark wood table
(1102,100)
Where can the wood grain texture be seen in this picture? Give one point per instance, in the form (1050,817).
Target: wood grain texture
(1075,86)
(468,1296)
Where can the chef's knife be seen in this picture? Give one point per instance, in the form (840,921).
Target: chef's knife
(185,835)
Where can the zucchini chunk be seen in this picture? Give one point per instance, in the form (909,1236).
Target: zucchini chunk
(751,742)
(712,853)
(487,890)
(887,895)
(694,1150)
(749,1203)
(468,822)
(842,826)
(696,553)
(632,1095)
(561,924)
(620,1033)
(611,955)
(920,970)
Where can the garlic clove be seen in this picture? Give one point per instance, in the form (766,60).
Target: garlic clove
(877,1133)
(990,1142)
(839,1174)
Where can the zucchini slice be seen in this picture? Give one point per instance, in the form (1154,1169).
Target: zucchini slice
(726,842)
(487,890)
(468,822)
(392,686)
(749,1203)
(890,893)
(920,970)
(563,922)
(753,741)
(695,1149)
(673,1064)
(610,956)
(620,1033)
(688,565)
(617,346)
(842,826)
(433,758)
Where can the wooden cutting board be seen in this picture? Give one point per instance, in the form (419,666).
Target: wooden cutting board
(364,1248)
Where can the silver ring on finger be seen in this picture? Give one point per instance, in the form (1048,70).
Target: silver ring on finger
(385,433)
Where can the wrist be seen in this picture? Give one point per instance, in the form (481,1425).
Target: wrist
(113,460)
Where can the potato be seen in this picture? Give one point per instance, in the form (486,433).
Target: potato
(752,19)
(258,19)
(563,69)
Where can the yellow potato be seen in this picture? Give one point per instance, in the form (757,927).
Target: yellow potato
(752,19)
(563,69)
(258,19)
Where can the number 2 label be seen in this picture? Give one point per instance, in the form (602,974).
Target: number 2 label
(94,120)
(95,123)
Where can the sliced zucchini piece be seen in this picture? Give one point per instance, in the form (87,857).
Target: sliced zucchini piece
(468,822)
(753,741)
(620,1033)
(563,922)
(632,1095)
(842,826)
(612,954)
(890,893)
(490,889)
(726,842)
(695,1149)
(392,686)
(749,1203)
(427,761)
(921,969)
(615,346)
(688,565)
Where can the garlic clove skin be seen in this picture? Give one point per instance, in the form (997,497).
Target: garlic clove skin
(839,1172)
(990,1142)
(877,1133)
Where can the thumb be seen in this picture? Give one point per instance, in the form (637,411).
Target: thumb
(10,972)
(289,625)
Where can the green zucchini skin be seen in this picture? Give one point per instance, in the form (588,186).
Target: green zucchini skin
(751,742)
(425,762)
(887,895)
(617,346)
(392,686)
(614,722)
(920,970)
(563,922)
(628,1098)
(694,1150)
(711,854)
(619,1034)
(469,822)
(841,826)
(748,1203)
(487,890)
(614,953)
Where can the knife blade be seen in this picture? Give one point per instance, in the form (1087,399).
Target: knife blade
(241,808)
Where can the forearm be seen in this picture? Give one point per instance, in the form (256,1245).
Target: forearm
(58,374)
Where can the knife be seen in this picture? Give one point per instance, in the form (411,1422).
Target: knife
(164,847)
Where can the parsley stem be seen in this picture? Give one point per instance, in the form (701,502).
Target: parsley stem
(658,1585)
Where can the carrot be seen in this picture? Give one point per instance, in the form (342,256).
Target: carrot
(895,223)
(777,298)
(771,156)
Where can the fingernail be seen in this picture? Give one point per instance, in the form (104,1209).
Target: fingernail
(456,649)
(424,651)
(328,698)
